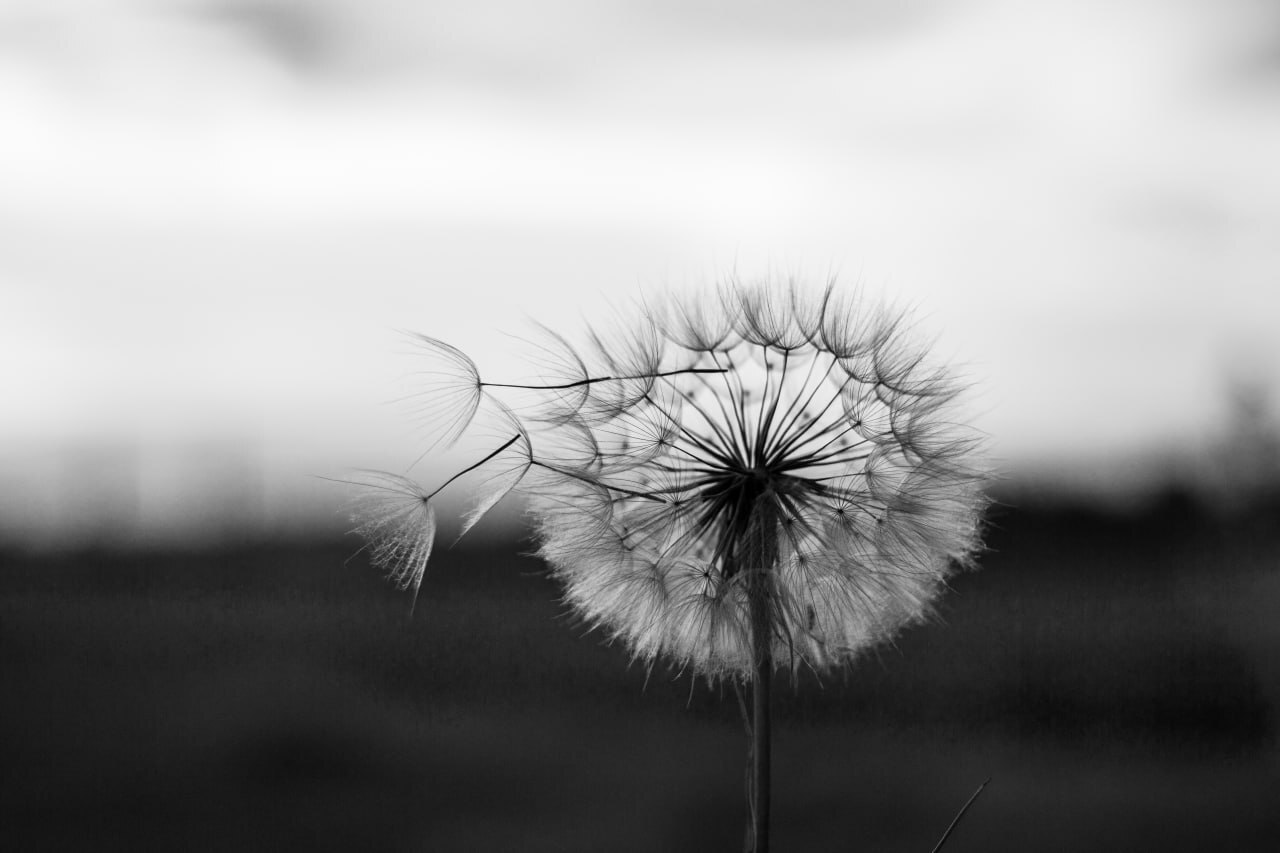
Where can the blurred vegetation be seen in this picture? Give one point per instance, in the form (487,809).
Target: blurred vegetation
(1117,674)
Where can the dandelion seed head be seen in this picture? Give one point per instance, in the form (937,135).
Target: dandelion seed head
(758,436)
(815,411)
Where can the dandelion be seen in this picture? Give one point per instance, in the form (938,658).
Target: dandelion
(752,479)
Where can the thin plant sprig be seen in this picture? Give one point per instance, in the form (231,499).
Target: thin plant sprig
(755,478)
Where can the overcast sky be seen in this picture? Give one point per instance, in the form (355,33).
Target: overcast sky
(214,214)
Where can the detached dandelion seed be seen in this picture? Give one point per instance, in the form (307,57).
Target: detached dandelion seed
(396,519)
(755,478)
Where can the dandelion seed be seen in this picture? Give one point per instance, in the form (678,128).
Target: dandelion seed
(395,517)
(450,389)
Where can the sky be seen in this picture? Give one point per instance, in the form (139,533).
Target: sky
(216,216)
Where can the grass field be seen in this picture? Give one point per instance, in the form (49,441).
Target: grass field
(1118,679)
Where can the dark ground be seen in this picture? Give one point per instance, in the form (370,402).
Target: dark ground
(1118,678)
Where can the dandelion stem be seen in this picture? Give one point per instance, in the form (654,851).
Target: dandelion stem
(611,487)
(761,684)
(593,379)
(470,468)
(755,553)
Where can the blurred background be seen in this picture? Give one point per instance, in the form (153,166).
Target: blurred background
(217,217)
